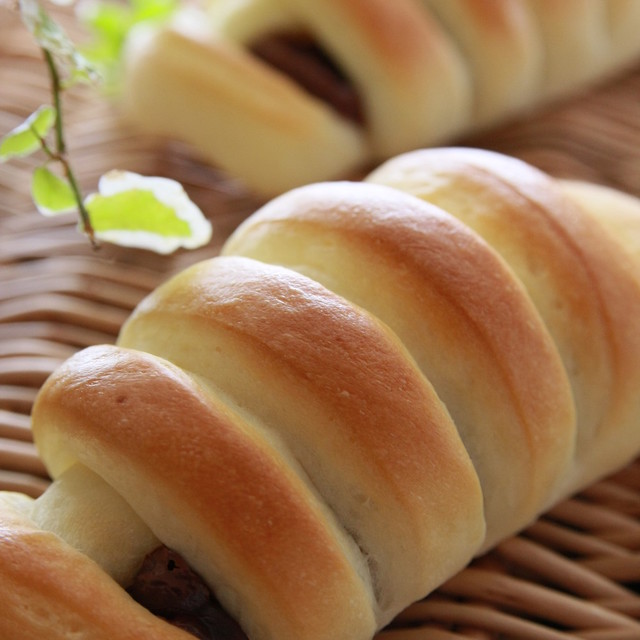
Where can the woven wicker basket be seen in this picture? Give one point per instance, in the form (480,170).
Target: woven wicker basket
(574,574)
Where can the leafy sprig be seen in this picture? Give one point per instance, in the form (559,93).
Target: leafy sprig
(129,209)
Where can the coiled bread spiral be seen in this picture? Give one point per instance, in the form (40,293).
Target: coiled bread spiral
(374,383)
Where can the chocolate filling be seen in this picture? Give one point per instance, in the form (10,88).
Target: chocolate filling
(298,56)
(170,589)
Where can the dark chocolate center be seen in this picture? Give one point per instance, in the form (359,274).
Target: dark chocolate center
(300,57)
(170,589)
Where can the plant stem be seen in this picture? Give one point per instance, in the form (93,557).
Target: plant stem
(56,93)
(61,149)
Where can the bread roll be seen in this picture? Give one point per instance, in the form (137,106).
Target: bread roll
(284,92)
(375,383)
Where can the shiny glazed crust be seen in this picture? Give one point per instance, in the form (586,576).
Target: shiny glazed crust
(581,282)
(425,71)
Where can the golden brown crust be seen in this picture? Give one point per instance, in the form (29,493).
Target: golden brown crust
(459,311)
(579,279)
(206,485)
(617,218)
(50,590)
(366,426)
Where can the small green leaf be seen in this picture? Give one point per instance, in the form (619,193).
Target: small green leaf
(151,213)
(51,194)
(26,138)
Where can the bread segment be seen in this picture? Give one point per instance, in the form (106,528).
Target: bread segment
(502,49)
(618,213)
(576,41)
(279,124)
(90,516)
(395,55)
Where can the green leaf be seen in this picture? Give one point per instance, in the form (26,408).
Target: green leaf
(26,138)
(151,213)
(135,210)
(52,194)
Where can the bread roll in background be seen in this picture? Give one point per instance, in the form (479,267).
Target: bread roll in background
(280,93)
(375,383)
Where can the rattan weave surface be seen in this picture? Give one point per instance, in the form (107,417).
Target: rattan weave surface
(573,574)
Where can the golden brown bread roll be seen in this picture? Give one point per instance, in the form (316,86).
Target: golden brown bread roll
(285,92)
(375,383)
